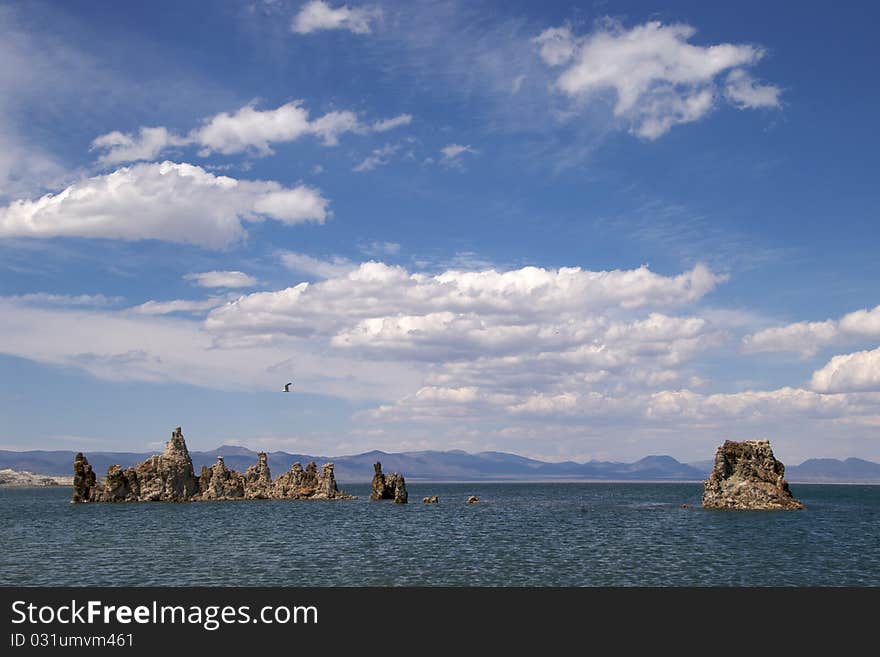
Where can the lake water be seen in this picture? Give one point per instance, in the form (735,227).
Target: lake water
(581,534)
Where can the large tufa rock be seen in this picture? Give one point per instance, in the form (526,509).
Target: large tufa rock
(257,480)
(120,485)
(308,484)
(221,483)
(747,476)
(327,488)
(289,484)
(84,479)
(388,487)
(168,477)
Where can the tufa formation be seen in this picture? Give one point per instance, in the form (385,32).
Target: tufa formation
(169,477)
(388,487)
(747,476)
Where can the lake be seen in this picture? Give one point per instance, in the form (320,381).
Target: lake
(559,534)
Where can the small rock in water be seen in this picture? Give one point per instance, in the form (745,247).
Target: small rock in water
(473,499)
(432,499)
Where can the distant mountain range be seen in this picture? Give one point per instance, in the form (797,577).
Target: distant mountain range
(453,465)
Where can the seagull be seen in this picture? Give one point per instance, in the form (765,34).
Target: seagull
(287,387)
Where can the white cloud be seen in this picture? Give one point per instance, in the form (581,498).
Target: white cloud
(390,124)
(178,306)
(862,322)
(488,341)
(221,279)
(300,262)
(523,327)
(858,371)
(138,346)
(330,126)
(684,404)
(376,290)
(164,201)
(557,45)
(317,15)
(250,128)
(46,299)
(505,345)
(576,352)
(451,151)
(379,157)
(747,406)
(149,143)
(247,129)
(806,338)
(451,154)
(745,93)
(666,409)
(656,78)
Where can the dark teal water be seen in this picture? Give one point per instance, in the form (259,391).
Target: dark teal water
(519,535)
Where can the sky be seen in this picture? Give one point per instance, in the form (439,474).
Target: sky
(567,230)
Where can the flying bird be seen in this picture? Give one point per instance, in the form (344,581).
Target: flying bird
(287,387)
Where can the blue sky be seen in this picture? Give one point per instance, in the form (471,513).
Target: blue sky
(566,230)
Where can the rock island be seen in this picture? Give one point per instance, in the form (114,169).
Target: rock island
(169,477)
(747,476)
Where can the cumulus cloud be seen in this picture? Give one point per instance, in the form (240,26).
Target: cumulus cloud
(375,290)
(221,279)
(147,145)
(858,371)
(663,408)
(863,322)
(317,15)
(570,350)
(654,76)
(807,338)
(248,129)
(163,201)
(305,264)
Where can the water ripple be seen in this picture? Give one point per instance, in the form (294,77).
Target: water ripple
(518,535)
